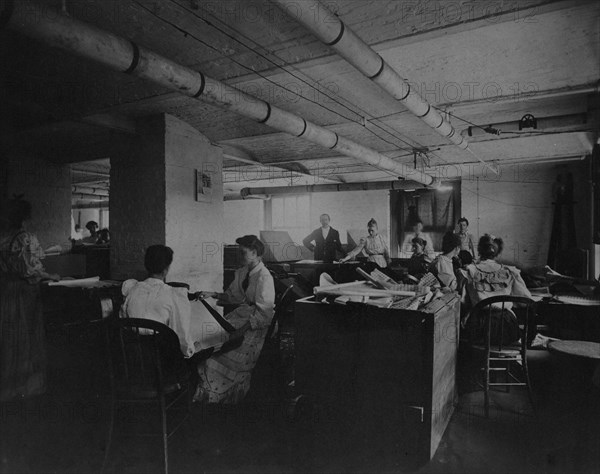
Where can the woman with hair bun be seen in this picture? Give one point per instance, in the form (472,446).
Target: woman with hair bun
(374,246)
(225,378)
(22,340)
(490,278)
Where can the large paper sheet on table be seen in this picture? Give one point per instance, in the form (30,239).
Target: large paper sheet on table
(206,331)
(78,283)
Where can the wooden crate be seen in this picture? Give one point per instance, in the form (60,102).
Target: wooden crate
(385,376)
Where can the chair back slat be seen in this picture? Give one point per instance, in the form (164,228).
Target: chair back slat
(484,310)
(280,308)
(138,349)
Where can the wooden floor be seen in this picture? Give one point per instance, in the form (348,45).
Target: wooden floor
(63,431)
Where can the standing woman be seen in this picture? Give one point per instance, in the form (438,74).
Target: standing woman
(225,378)
(374,246)
(22,340)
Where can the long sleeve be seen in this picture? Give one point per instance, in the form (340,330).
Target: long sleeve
(356,250)
(444,271)
(233,294)
(22,257)
(386,250)
(261,311)
(180,320)
(519,288)
(307,241)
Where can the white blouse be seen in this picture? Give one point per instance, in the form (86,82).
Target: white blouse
(154,299)
(257,303)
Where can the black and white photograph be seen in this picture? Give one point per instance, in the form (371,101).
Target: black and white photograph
(299,236)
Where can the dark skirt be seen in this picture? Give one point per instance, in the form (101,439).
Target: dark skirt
(22,340)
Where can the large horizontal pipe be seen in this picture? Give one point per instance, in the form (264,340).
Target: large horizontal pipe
(92,205)
(123,55)
(325,188)
(333,32)
(98,192)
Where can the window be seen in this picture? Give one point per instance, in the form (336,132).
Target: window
(291,214)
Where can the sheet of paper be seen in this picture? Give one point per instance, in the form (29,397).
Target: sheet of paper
(206,331)
(79,283)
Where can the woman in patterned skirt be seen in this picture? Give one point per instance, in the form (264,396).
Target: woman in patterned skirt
(225,378)
(22,340)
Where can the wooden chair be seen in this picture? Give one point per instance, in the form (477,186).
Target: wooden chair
(146,366)
(498,356)
(268,365)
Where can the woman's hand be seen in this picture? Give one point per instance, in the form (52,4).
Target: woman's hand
(207,294)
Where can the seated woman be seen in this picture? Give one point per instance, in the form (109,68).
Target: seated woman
(154,299)
(418,265)
(225,377)
(92,227)
(103,237)
(490,278)
(373,246)
(443,266)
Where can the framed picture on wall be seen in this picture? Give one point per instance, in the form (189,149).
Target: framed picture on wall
(203,186)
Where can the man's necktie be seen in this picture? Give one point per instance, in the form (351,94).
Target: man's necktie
(246,282)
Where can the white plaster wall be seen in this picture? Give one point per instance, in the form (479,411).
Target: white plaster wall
(242,218)
(352,210)
(517,206)
(193,229)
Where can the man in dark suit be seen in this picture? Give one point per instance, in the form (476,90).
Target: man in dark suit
(326,241)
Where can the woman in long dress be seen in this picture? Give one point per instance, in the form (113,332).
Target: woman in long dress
(225,378)
(374,246)
(22,340)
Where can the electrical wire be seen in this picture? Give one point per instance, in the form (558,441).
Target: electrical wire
(186,33)
(364,113)
(478,194)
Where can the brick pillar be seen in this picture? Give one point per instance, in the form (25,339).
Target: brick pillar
(153,201)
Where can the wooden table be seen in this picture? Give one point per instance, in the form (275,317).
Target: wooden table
(578,361)
(569,321)
(583,349)
(389,374)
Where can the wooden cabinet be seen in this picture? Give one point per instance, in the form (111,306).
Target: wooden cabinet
(389,375)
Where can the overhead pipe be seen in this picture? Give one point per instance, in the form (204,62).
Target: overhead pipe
(123,55)
(90,191)
(332,31)
(541,124)
(89,197)
(246,193)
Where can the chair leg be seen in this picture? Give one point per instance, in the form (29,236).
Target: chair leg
(110,434)
(486,387)
(528,382)
(163,413)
